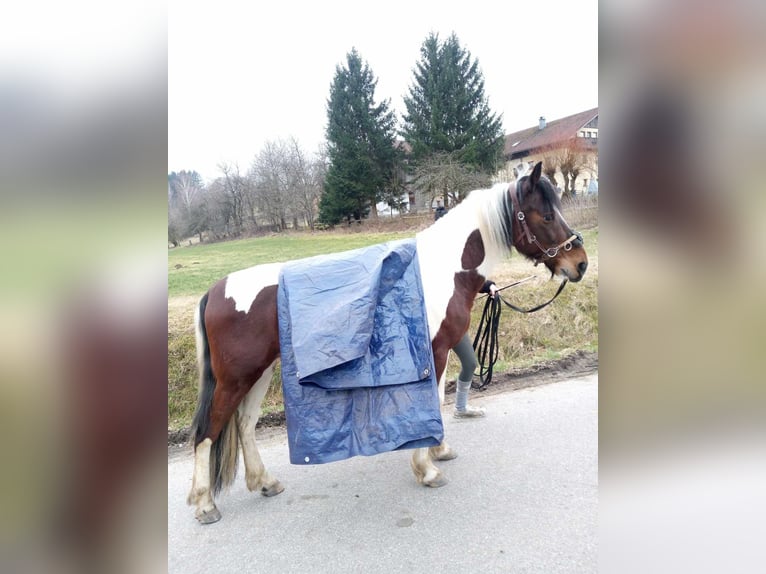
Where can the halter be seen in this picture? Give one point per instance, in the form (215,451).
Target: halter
(485,343)
(549,252)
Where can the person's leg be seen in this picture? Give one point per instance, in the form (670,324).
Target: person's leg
(468,363)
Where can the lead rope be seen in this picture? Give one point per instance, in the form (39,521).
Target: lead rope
(485,342)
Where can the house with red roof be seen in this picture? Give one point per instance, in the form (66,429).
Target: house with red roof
(568,148)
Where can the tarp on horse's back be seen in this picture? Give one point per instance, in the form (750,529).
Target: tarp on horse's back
(357,364)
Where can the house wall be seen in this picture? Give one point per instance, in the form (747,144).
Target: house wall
(587,174)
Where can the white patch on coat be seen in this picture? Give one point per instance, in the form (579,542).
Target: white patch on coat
(244,286)
(440,246)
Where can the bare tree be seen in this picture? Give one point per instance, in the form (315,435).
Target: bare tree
(235,189)
(184,192)
(575,160)
(283,186)
(287,183)
(184,186)
(306,182)
(220,208)
(250,202)
(569,160)
(270,179)
(442,174)
(551,167)
(175,226)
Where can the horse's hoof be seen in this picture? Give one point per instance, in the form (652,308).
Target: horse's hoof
(440,480)
(209,517)
(272,490)
(447,455)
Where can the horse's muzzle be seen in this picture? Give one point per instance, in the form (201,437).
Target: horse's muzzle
(574,274)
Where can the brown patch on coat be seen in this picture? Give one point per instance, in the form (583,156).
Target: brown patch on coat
(458,315)
(242,346)
(473,252)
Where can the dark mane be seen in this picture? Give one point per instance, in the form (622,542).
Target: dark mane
(548,191)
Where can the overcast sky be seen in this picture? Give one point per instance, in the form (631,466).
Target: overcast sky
(244,73)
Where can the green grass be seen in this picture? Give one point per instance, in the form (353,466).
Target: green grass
(193,270)
(564,327)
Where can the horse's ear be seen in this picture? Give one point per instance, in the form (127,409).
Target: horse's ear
(536,172)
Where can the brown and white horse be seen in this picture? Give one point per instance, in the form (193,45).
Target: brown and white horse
(238,335)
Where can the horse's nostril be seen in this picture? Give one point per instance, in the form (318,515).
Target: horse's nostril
(582,266)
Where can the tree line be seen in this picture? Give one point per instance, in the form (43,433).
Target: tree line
(449,141)
(280,189)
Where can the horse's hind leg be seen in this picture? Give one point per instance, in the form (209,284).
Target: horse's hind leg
(443,451)
(257,477)
(215,456)
(426,472)
(201,494)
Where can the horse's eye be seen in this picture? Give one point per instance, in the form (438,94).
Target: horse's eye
(548,217)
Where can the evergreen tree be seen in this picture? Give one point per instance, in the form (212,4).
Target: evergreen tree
(360,140)
(447,110)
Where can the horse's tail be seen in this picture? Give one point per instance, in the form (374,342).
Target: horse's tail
(223,455)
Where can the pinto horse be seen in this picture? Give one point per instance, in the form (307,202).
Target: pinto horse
(238,333)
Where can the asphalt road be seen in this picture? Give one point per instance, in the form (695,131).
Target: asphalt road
(522,497)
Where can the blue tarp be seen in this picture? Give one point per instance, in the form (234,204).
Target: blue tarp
(357,366)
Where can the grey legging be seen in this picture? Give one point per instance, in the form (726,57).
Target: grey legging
(468,362)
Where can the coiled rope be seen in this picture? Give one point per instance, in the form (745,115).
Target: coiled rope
(485,343)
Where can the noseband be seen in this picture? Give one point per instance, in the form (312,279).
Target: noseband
(546,252)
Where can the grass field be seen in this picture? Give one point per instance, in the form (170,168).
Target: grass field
(568,325)
(192,270)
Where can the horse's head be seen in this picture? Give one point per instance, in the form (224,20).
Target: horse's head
(540,232)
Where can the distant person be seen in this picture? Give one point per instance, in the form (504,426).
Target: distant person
(440,210)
